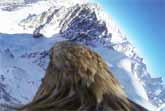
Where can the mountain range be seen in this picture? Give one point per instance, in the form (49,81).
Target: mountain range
(28,32)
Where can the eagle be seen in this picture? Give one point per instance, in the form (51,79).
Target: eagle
(78,79)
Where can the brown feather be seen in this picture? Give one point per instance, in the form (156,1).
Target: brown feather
(77,79)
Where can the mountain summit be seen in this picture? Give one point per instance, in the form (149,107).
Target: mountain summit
(32,31)
(89,24)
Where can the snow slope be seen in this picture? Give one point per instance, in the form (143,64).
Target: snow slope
(23,59)
(21,65)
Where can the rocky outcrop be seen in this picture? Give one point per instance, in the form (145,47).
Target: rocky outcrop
(89,24)
(84,23)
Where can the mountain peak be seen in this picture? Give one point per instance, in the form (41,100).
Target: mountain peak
(84,23)
(89,24)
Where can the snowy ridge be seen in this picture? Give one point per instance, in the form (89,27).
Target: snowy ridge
(22,67)
(21,54)
(88,23)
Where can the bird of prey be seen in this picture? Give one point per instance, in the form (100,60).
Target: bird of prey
(78,79)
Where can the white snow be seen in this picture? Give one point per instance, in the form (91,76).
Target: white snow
(9,20)
(161,108)
(22,71)
(22,75)
(120,65)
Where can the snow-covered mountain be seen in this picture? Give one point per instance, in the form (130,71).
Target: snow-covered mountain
(30,33)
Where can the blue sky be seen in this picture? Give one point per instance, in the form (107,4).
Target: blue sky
(143,21)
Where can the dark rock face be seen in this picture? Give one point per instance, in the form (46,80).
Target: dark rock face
(77,79)
(84,26)
(78,23)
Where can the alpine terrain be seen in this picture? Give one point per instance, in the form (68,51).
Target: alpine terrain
(29,30)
